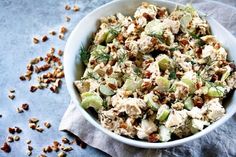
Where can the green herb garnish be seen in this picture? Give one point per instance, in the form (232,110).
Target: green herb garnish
(84,55)
(172,75)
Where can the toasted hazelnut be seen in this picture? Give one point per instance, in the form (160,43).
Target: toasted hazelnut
(12,91)
(66,148)
(42,155)
(35,40)
(29,153)
(11,96)
(28,141)
(32,126)
(39,129)
(44,38)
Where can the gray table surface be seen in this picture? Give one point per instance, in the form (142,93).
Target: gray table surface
(20,20)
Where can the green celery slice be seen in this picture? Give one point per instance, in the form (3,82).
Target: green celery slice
(92,101)
(162,83)
(106,90)
(188,103)
(190,83)
(87,94)
(149,100)
(163,115)
(216,91)
(163,62)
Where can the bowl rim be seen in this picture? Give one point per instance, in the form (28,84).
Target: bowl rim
(126,140)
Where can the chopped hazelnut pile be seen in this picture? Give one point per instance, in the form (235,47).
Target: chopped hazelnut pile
(11,94)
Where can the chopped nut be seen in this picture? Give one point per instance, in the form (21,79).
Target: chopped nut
(19,110)
(54,89)
(61,36)
(25,107)
(32,125)
(39,129)
(47,149)
(0,116)
(60,52)
(67,19)
(61,154)
(29,153)
(52,33)
(47,124)
(11,96)
(35,40)
(65,140)
(12,91)
(42,155)
(10,139)
(33,120)
(16,138)
(52,50)
(22,78)
(44,38)
(18,130)
(30,148)
(30,67)
(11,130)
(28,141)
(6,147)
(63,30)
(76,8)
(67,7)
(66,148)
(58,83)
(55,146)
(33,88)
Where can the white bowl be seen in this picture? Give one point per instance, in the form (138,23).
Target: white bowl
(82,34)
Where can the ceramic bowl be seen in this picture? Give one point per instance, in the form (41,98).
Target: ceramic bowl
(82,34)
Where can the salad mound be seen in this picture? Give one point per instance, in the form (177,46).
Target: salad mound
(156,75)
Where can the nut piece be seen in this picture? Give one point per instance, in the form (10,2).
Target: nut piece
(44,38)
(67,7)
(10,139)
(18,130)
(35,40)
(47,149)
(32,126)
(29,153)
(60,52)
(16,138)
(33,120)
(63,30)
(68,19)
(30,148)
(42,155)
(39,129)
(6,148)
(47,124)
(25,107)
(11,96)
(52,33)
(28,141)
(19,110)
(76,8)
(33,88)
(66,148)
(22,78)
(61,36)
(65,140)
(11,130)
(61,154)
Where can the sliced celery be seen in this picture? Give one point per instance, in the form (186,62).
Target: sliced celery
(155,28)
(101,36)
(163,62)
(188,103)
(92,101)
(105,90)
(163,114)
(162,83)
(149,100)
(185,21)
(190,83)
(87,94)
(226,74)
(216,91)
(110,37)
(132,85)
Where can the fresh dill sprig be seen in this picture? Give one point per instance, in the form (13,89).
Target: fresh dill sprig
(101,56)
(122,57)
(84,55)
(137,71)
(91,75)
